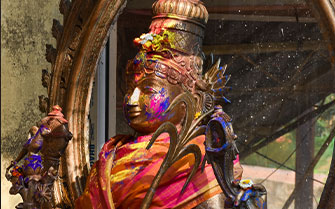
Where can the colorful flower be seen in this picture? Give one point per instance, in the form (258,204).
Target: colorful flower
(246,183)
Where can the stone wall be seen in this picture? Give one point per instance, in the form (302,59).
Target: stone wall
(25,29)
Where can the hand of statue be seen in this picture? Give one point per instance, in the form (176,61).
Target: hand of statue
(120,140)
(13,163)
(7,175)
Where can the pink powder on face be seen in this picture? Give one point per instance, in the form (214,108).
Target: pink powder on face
(157,105)
(155,102)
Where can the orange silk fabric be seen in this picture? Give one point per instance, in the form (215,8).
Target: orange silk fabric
(133,170)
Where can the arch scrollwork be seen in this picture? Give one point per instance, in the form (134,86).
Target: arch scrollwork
(324,12)
(79,44)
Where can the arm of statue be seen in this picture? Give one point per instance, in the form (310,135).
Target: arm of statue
(33,130)
(120,140)
(23,152)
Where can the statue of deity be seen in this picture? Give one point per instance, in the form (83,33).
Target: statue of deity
(183,154)
(169,99)
(34,179)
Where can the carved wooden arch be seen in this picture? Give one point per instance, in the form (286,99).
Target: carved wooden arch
(74,61)
(79,44)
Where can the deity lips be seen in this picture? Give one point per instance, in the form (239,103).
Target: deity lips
(134,110)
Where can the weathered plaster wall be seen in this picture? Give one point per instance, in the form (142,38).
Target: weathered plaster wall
(25,29)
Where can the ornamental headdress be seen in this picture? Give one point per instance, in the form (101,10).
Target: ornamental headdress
(173,50)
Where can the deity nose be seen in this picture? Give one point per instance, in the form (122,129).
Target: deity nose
(134,98)
(133,109)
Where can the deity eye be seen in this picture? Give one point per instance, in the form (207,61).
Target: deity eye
(149,90)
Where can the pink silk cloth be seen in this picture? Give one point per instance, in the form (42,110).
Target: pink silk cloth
(133,170)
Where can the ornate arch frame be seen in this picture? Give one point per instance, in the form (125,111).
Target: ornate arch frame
(80,40)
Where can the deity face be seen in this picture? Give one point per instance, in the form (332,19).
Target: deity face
(146,101)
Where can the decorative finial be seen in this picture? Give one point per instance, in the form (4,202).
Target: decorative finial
(188,16)
(191,10)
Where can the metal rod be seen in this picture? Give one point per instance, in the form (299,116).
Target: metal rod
(280,164)
(286,129)
(327,200)
(259,48)
(260,18)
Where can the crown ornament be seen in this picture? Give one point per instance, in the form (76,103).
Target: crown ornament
(173,47)
(172,50)
(188,10)
(185,18)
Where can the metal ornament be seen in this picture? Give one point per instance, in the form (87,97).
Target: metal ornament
(221,151)
(35,178)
